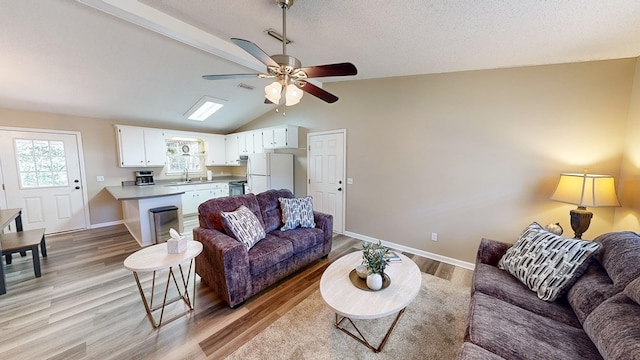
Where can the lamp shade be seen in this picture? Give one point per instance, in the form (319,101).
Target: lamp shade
(586,190)
(293,95)
(273,92)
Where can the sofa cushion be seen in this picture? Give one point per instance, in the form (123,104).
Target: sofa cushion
(267,252)
(619,257)
(297,212)
(270,208)
(614,327)
(547,263)
(492,281)
(302,238)
(590,290)
(209,211)
(470,351)
(633,290)
(244,226)
(514,333)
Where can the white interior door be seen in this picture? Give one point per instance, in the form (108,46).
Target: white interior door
(325,172)
(42,176)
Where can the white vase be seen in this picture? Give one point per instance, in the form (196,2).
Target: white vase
(374,281)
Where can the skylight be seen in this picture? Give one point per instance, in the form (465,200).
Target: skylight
(204,108)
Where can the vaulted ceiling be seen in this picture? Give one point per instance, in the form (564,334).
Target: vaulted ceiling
(143,60)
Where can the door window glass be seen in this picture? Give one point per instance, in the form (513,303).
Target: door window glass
(41,163)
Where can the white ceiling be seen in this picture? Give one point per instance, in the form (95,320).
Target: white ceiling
(62,56)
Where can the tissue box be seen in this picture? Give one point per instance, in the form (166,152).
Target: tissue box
(175,246)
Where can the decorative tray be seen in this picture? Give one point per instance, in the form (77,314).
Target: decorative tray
(362,283)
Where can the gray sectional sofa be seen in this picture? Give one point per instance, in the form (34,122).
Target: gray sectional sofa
(235,273)
(598,318)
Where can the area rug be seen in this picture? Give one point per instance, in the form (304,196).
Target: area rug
(432,327)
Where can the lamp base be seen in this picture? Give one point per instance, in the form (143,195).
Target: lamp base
(580,220)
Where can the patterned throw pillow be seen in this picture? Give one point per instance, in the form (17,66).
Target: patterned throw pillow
(244,225)
(297,212)
(547,263)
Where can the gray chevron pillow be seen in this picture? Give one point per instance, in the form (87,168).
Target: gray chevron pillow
(244,225)
(297,212)
(547,263)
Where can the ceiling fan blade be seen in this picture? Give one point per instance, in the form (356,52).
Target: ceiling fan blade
(341,69)
(228,76)
(316,91)
(255,51)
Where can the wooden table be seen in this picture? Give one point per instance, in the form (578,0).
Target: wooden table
(350,302)
(154,258)
(6,217)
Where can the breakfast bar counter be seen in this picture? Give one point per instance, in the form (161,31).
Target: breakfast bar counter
(136,203)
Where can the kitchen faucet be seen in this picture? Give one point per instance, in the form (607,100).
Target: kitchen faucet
(186,174)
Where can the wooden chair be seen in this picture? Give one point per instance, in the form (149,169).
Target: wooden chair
(23,241)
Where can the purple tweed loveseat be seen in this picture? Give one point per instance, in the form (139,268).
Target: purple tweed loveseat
(598,318)
(236,274)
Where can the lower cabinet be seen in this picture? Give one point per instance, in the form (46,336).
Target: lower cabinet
(194,195)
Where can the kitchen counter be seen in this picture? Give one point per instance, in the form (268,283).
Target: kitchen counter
(142,192)
(137,201)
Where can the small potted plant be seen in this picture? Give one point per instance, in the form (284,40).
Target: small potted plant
(373,256)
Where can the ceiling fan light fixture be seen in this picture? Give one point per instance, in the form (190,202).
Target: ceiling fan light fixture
(273,92)
(292,95)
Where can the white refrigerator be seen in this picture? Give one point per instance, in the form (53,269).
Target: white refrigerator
(268,171)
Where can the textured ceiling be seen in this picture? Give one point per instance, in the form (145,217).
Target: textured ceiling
(62,56)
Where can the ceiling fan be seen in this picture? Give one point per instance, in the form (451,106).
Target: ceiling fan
(289,76)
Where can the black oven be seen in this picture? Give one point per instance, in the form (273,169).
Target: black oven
(236,188)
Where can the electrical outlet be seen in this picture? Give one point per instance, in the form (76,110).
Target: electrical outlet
(99,178)
(434,236)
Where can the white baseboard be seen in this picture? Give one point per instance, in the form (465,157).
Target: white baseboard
(425,254)
(101,225)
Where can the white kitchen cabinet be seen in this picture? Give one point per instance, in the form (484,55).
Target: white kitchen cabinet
(196,194)
(258,148)
(216,150)
(140,147)
(281,137)
(245,143)
(155,147)
(232,150)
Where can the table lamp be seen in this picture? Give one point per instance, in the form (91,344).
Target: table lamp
(585,190)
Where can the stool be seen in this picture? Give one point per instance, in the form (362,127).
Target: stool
(23,241)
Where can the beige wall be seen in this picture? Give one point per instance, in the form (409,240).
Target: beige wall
(628,216)
(471,154)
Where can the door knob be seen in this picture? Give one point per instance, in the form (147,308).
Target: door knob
(77,187)
(76,181)
(339,189)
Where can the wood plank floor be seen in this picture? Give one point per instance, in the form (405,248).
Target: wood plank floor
(86,304)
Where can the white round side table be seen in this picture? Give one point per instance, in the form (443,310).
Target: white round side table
(156,257)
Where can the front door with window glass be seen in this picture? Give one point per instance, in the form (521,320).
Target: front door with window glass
(41,173)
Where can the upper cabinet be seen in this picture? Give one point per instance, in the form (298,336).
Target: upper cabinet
(146,147)
(232,150)
(140,147)
(245,143)
(216,152)
(281,137)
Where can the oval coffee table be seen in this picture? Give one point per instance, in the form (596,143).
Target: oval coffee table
(350,302)
(154,258)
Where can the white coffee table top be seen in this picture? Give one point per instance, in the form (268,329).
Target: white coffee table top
(155,257)
(347,300)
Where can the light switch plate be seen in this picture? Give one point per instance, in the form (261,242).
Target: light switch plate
(99,178)
(349,181)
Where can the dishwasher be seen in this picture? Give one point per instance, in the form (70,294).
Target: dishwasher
(236,187)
